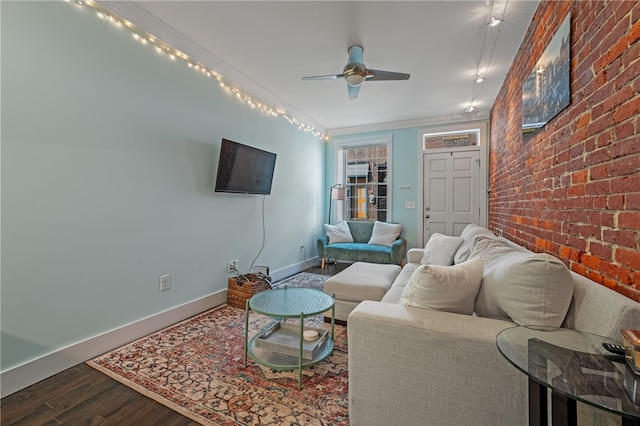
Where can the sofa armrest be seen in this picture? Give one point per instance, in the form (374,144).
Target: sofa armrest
(407,365)
(321,244)
(414,255)
(398,250)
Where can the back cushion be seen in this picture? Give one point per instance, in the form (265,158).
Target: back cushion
(361,231)
(527,288)
(468,235)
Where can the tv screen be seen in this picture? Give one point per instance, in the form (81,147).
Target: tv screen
(244,169)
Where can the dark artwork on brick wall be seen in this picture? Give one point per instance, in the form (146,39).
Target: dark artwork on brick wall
(545,92)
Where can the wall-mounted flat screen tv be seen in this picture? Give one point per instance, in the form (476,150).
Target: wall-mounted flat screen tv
(243,169)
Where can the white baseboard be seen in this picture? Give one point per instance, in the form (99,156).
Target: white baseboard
(281,274)
(24,375)
(31,372)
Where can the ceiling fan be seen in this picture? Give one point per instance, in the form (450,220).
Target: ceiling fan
(355,72)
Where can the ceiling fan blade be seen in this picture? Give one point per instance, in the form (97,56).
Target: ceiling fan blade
(386,75)
(353,91)
(323,77)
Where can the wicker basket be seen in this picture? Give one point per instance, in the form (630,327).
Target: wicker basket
(242,287)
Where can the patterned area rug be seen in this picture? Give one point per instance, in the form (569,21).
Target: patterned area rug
(303,279)
(196,368)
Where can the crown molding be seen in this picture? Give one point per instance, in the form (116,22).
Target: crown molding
(419,122)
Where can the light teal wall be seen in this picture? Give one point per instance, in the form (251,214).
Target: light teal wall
(404,170)
(109,154)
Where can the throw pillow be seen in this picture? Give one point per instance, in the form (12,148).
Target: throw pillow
(444,288)
(339,233)
(527,288)
(440,249)
(384,234)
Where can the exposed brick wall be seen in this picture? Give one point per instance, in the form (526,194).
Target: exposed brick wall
(573,188)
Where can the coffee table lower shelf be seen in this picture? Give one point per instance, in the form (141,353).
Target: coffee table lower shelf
(282,361)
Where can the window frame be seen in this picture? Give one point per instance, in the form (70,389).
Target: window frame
(341,167)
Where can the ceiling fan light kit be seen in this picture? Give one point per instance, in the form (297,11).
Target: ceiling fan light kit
(355,73)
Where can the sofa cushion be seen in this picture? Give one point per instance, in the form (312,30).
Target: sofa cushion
(401,281)
(444,288)
(468,235)
(339,233)
(440,249)
(527,288)
(359,252)
(384,234)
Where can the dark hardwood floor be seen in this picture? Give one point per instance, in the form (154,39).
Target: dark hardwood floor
(84,396)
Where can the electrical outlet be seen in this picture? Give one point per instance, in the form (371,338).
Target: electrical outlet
(165,282)
(232,266)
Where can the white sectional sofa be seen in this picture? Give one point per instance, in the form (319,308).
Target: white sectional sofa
(415,366)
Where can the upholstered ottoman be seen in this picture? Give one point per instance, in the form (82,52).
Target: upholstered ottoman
(360,281)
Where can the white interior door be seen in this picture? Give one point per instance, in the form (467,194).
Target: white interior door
(451,198)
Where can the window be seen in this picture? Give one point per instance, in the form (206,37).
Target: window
(364,169)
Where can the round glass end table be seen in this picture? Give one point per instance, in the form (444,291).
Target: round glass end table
(281,345)
(576,367)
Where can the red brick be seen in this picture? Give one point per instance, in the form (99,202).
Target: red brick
(600,250)
(625,130)
(625,184)
(618,273)
(634,33)
(627,165)
(595,276)
(577,190)
(579,176)
(598,187)
(627,110)
(608,282)
(620,237)
(599,172)
(630,73)
(615,202)
(618,98)
(579,269)
(632,201)
(629,220)
(590,261)
(628,257)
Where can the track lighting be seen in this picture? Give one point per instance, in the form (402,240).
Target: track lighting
(494,21)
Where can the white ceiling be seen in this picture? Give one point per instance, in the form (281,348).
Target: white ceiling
(265,47)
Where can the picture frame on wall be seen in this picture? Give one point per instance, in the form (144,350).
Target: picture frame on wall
(546,91)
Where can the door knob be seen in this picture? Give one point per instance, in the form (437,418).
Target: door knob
(426,209)
(426,217)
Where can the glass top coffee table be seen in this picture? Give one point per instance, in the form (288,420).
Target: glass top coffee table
(281,345)
(576,367)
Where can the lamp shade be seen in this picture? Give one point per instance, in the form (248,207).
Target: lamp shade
(338,194)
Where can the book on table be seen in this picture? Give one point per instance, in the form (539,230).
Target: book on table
(285,338)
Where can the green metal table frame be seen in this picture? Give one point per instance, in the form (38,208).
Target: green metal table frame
(289,303)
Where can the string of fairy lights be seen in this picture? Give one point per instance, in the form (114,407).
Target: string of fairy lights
(174,54)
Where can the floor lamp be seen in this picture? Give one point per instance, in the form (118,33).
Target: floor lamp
(337,192)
